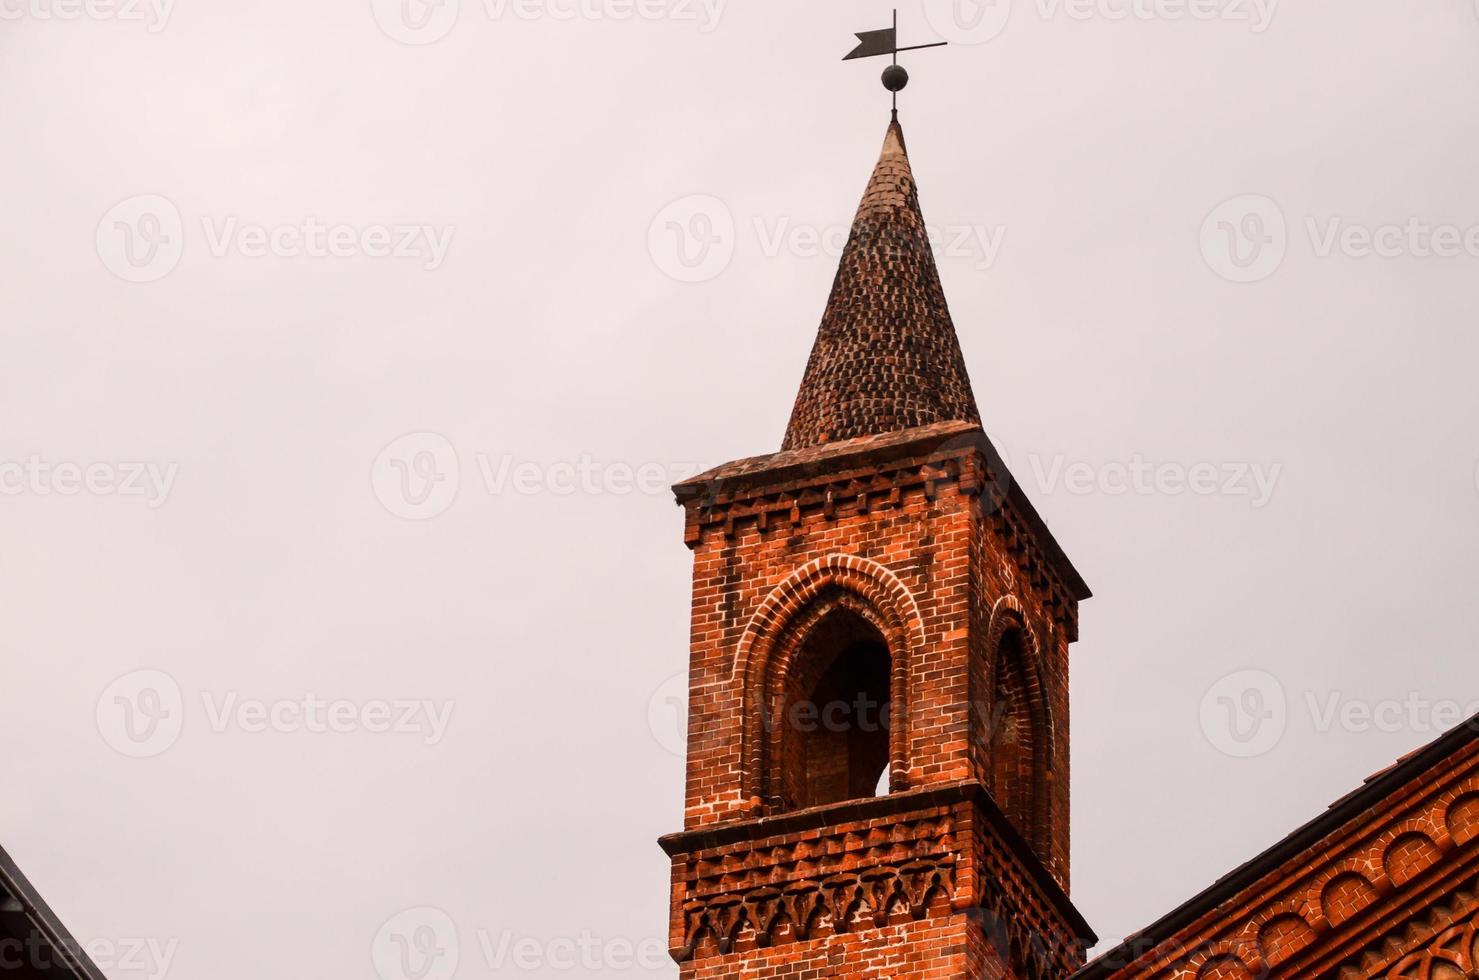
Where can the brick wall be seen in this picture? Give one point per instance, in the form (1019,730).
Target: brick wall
(918,539)
(949,572)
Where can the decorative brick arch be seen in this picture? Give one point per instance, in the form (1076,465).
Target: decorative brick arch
(1461,816)
(1008,614)
(1343,890)
(1281,932)
(779,627)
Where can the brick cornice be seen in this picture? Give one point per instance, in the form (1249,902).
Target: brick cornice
(777,492)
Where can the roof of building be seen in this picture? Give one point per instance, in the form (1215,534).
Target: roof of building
(47,947)
(886,356)
(1227,888)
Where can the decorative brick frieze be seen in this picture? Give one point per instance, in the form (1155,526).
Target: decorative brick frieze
(1453,953)
(811,875)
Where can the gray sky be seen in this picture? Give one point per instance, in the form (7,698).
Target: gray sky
(345,239)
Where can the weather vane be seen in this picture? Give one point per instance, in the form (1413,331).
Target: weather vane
(874,44)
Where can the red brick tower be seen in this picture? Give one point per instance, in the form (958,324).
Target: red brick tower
(878,715)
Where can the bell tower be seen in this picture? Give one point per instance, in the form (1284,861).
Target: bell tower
(877,776)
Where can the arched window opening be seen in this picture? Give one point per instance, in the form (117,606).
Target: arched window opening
(1017,741)
(836,714)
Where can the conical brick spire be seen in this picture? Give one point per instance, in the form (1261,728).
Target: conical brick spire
(886,357)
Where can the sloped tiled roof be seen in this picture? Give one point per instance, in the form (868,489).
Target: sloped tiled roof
(886,356)
(37,943)
(1225,893)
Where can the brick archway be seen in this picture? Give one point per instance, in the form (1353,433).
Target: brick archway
(770,642)
(1024,675)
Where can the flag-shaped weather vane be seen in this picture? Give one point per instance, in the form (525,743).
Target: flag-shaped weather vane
(874,44)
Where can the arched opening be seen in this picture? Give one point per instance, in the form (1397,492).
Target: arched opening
(771,648)
(1018,741)
(835,714)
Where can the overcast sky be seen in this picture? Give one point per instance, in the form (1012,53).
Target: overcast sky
(350,347)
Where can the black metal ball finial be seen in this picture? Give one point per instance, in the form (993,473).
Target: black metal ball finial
(895,78)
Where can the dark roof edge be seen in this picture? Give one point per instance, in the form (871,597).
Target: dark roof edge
(71,953)
(1351,806)
(735,831)
(762,471)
